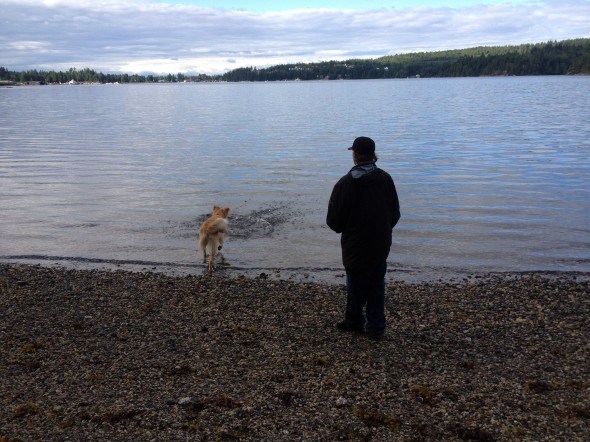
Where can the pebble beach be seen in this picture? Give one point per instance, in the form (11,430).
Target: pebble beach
(95,355)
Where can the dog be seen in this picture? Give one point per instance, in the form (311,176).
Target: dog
(212,233)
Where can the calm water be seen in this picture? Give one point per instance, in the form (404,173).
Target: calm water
(492,173)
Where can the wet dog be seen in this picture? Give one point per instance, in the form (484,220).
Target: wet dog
(212,233)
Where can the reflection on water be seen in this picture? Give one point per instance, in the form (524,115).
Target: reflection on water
(492,173)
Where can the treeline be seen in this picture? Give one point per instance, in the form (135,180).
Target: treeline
(568,57)
(91,76)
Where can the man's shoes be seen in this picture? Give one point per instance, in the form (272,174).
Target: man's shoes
(345,326)
(376,338)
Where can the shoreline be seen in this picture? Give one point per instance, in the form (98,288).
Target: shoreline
(118,355)
(326,275)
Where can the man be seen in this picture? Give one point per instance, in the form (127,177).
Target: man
(364,208)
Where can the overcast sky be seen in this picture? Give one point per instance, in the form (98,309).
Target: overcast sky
(213,36)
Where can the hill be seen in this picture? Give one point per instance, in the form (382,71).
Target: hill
(567,57)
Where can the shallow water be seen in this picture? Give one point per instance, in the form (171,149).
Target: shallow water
(492,173)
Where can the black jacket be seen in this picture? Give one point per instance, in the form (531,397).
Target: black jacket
(364,207)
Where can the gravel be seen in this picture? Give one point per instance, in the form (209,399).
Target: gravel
(100,355)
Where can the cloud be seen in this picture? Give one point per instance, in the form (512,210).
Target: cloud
(145,36)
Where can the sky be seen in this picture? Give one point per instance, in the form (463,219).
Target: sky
(214,36)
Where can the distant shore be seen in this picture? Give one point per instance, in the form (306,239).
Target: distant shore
(115,355)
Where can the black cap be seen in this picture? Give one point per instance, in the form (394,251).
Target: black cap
(363,146)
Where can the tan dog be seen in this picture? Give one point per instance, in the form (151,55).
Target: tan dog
(212,233)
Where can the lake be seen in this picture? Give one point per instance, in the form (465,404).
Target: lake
(492,173)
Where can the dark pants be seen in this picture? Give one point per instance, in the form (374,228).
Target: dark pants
(366,287)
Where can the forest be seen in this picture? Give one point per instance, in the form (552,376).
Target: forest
(567,57)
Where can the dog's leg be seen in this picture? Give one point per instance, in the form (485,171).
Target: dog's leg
(203,245)
(212,259)
(221,237)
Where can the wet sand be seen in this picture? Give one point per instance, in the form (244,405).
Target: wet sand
(116,355)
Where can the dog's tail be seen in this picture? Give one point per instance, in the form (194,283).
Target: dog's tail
(220,225)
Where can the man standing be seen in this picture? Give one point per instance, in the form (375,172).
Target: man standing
(364,208)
